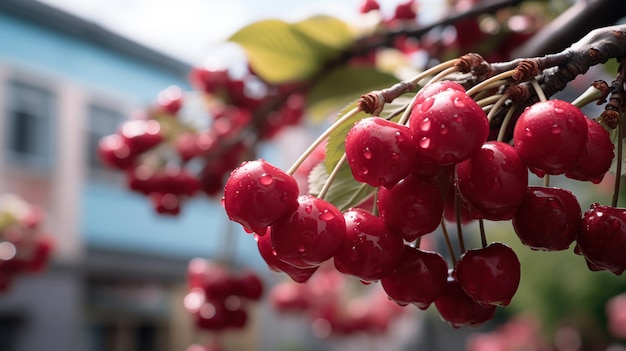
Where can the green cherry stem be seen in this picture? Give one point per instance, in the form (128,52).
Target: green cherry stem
(332,176)
(321,138)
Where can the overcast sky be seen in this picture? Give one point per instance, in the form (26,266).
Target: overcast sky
(189,29)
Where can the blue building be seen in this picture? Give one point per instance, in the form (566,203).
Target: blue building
(117,277)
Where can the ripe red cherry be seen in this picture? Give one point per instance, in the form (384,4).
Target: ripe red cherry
(114,152)
(310,235)
(379,152)
(489,275)
(458,309)
(550,136)
(433,89)
(548,219)
(369,5)
(412,208)
(448,127)
(256,194)
(602,240)
(597,155)
(493,181)
(141,135)
(266,249)
(370,251)
(419,278)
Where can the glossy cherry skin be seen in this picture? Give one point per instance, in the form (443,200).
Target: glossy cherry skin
(141,135)
(370,251)
(310,235)
(597,155)
(489,275)
(493,181)
(419,278)
(459,310)
(379,152)
(257,193)
(548,219)
(602,240)
(448,127)
(266,249)
(550,136)
(433,89)
(412,208)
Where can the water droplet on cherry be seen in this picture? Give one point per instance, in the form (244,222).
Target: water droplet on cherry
(458,103)
(327,216)
(266,179)
(425,143)
(556,129)
(425,125)
(367,153)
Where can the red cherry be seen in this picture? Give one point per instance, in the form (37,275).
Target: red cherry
(597,155)
(493,181)
(602,240)
(550,136)
(448,127)
(459,310)
(248,286)
(369,5)
(166,203)
(419,278)
(548,219)
(290,297)
(114,152)
(170,100)
(379,152)
(257,194)
(489,275)
(141,135)
(412,208)
(370,251)
(430,90)
(266,249)
(310,235)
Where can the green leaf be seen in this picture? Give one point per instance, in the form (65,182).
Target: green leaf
(336,145)
(345,191)
(326,30)
(279,51)
(343,85)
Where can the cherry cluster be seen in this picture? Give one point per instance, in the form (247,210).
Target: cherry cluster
(218,298)
(440,164)
(24,247)
(333,308)
(172,152)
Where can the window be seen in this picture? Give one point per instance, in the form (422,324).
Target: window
(102,122)
(30,124)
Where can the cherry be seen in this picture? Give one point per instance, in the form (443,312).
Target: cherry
(548,219)
(379,152)
(412,208)
(165,203)
(430,90)
(597,155)
(115,153)
(550,136)
(489,275)
(419,278)
(290,297)
(257,194)
(458,309)
(141,135)
(448,127)
(603,238)
(170,99)
(493,181)
(249,286)
(266,249)
(310,235)
(369,5)
(370,250)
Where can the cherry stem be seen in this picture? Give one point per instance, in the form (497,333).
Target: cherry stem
(616,102)
(590,95)
(457,213)
(494,81)
(546,180)
(496,106)
(321,138)
(448,242)
(483,236)
(492,99)
(332,176)
(505,122)
(442,74)
(540,94)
